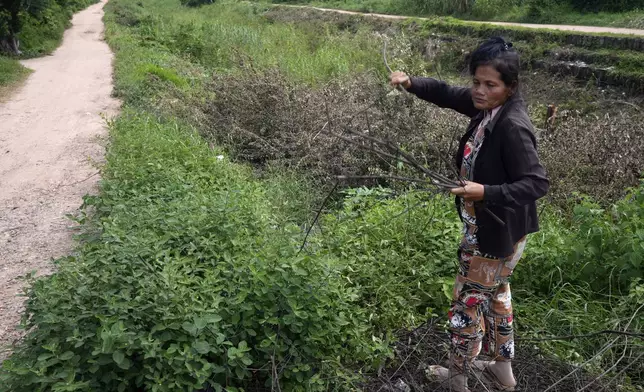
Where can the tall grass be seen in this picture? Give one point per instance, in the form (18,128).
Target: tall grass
(225,37)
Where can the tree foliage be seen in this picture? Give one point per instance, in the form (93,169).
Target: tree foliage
(196,3)
(16,15)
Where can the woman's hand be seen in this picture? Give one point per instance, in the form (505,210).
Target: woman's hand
(472,191)
(400,79)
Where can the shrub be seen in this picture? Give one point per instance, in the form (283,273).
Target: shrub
(610,5)
(187,279)
(492,8)
(398,252)
(611,241)
(39,25)
(196,3)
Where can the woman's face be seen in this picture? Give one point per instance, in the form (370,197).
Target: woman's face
(488,89)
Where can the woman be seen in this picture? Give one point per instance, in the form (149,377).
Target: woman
(498,158)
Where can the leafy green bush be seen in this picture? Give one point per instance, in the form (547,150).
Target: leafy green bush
(604,5)
(398,252)
(196,3)
(492,8)
(187,279)
(610,244)
(41,24)
(601,248)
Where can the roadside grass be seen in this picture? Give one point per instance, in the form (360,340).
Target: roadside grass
(12,73)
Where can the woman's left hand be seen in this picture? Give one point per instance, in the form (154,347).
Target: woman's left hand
(472,191)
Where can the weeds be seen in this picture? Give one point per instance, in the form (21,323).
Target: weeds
(188,279)
(11,73)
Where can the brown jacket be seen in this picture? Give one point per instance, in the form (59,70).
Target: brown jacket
(507,165)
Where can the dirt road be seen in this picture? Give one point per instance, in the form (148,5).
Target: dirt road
(50,132)
(581,29)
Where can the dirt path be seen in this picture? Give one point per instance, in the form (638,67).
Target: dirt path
(582,29)
(50,132)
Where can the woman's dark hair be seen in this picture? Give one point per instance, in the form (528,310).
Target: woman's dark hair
(499,54)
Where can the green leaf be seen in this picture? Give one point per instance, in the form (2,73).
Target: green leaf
(44,357)
(118,357)
(202,347)
(190,328)
(213,318)
(66,356)
(125,364)
(243,346)
(235,319)
(200,322)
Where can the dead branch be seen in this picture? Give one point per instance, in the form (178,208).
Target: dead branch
(396,178)
(607,370)
(317,216)
(636,360)
(589,335)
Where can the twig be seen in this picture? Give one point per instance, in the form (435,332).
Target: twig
(623,103)
(408,356)
(438,178)
(604,349)
(276,380)
(570,337)
(78,182)
(623,371)
(433,175)
(397,178)
(317,216)
(607,370)
(410,160)
(384,58)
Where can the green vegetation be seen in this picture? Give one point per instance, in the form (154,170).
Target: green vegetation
(189,274)
(36,28)
(11,73)
(32,29)
(595,13)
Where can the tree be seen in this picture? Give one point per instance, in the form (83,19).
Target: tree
(11,18)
